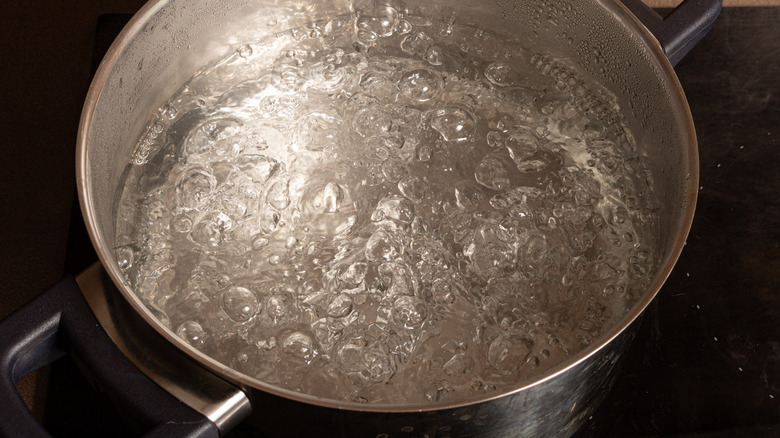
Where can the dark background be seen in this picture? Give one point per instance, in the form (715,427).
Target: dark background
(46,49)
(706,362)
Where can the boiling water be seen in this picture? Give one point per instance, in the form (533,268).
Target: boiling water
(387,209)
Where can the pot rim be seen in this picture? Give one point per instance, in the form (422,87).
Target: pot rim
(135,26)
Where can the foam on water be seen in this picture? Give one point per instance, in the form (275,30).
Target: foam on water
(397,210)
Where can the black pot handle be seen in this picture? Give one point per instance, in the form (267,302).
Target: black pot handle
(679,31)
(59,322)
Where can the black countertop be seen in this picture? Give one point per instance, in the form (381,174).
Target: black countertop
(706,362)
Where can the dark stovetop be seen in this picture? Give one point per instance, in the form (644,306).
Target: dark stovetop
(706,362)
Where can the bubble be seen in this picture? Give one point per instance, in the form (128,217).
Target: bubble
(209,231)
(495,139)
(300,346)
(340,306)
(442,291)
(490,256)
(608,163)
(379,19)
(393,141)
(332,195)
(367,36)
(434,55)
(501,201)
(219,135)
(371,121)
(279,194)
(382,153)
(380,246)
(413,188)
(192,332)
(425,153)
(637,271)
(245,51)
(354,274)
(283,107)
(223,281)
(322,199)
(266,222)
(398,277)
(194,188)
(125,257)
(573,213)
(460,363)
(409,311)
(508,352)
(377,85)
(619,216)
(395,208)
(291,78)
(531,165)
(170,111)
(335,57)
(491,174)
(420,84)
(260,243)
(155,209)
(250,362)
(274,259)
(206,234)
(521,146)
(468,196)
(370,364)
(538,255)
(393,170)
(404,27)
(259,168)
(417,43)
(454,124)
(345,227)
(641,257)
(277,307)
(240,304)
(316,131)
(500,73)
(156,130)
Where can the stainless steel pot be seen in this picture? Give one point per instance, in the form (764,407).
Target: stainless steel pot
(169,40)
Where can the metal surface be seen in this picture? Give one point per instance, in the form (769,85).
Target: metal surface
(217,400)
(138,74)
(527,413)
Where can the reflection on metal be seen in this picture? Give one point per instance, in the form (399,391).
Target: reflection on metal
(174,38)
(221,402)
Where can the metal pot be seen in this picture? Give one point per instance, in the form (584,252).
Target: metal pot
(168,40)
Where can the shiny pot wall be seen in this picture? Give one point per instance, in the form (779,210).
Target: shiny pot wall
(169,40)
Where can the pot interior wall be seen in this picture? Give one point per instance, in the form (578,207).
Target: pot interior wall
(168,41)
